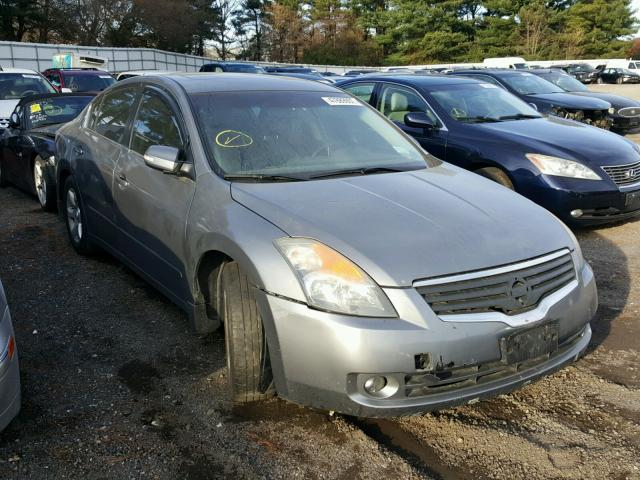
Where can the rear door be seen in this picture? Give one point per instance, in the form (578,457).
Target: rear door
(96,150)
(395,101)
(152,206)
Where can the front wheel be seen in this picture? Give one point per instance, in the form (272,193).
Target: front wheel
(599,81)
(619,81)
(75,218)
(250,376)
(43,182)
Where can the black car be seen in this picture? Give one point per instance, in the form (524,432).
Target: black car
(232,67)
(544,96)
(583,72)
(585,175)
(27,147)
(618,75)
(624,111)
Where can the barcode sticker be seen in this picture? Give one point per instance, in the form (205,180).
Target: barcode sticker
(341,101)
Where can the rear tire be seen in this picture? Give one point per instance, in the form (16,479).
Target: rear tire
(497,175)
(75,218)
(43,182)
(250,376)
(3,177)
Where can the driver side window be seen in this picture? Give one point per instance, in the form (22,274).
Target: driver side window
(395,102)
(155,124)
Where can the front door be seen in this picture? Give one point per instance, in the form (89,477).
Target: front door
(395,101)
(152,206)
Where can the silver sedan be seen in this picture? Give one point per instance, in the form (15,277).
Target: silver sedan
(9,369)
(351,270)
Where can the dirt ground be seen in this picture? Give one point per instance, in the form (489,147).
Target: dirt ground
(115,386)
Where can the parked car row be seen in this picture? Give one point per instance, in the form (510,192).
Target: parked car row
(346,240)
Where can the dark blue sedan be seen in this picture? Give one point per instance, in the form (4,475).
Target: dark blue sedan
(583,174)
(544,96)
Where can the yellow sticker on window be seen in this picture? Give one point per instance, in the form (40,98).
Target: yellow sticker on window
(35,108)
(233,139)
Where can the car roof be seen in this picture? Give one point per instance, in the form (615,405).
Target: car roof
(17,70)
(420,80)
(490,71)
(236,82)
(82,71)
(44,96)
(547,70)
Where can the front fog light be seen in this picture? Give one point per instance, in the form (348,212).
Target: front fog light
(374,385)
(576,213)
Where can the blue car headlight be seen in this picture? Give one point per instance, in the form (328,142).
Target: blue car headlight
(561,167)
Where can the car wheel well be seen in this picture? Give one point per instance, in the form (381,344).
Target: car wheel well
(483,165)
(64,174)
(208,278)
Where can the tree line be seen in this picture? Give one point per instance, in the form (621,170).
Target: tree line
(344,32)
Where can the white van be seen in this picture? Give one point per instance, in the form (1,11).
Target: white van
(516,63)
(75,60)
(632,65)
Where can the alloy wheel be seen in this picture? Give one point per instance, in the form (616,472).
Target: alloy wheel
(40,182)
(74,216)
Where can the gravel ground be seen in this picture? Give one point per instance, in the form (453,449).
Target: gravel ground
(115,386)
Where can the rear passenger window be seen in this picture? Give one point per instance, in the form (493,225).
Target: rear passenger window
(361,90)
(112,115)
(155,124)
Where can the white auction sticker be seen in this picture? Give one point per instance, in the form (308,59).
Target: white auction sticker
(26,75)
(487,85)
(104,76)
(340,101)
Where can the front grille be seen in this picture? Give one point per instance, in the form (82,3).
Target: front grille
(4,123)
(624,174)
(442,380)
(512,289)
(629,112)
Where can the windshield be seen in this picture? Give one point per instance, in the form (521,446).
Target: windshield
(54,110)
(529,84)
(625,71)
(300,133)
(477,103)
(582,68)
(244,69)
(88,83)
(14,86)
(565,82)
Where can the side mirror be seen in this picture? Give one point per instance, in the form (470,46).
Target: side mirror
(66,90)
(14,120)
(420,120)
(163,158)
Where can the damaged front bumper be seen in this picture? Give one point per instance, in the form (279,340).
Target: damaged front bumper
(325,360)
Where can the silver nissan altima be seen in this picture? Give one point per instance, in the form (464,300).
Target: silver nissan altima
(9,370)
(351,270)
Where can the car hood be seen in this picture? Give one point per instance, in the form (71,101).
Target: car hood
(569,100)
(615,100)
(564,138)
(7,107)
(47,130)
(400,227)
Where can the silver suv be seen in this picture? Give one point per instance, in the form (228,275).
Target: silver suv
(352,271)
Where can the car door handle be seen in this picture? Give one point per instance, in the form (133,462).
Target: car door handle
(122,180)
(78,150)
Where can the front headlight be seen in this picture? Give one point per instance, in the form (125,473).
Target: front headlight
(561,167)
(332,282)
(612,110)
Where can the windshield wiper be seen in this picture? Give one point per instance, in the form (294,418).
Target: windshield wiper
(239,177)
(479,119)
(519,116)
(357,171)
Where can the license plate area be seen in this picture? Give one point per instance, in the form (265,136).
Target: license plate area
(632,200)
(529,344)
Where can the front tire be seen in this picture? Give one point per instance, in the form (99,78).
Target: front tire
(43,182)
(75,218)
(599,81)
(619,81)
(250,376)
(497,175)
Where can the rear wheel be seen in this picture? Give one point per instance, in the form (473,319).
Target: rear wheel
(497,175)
(3,176)
(43,182)
(75,218)
(250,376)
